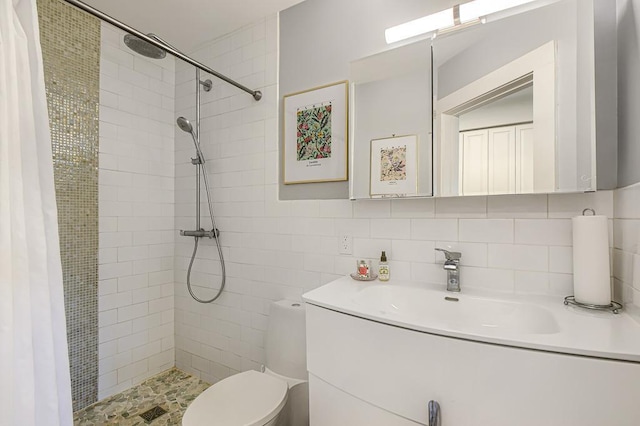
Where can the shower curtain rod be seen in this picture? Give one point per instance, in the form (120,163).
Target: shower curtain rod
(257,95)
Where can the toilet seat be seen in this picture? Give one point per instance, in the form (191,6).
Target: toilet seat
(244,399)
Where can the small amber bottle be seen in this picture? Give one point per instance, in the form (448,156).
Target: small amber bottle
(383,268)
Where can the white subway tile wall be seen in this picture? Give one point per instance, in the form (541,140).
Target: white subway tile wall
(136,210)
(269,248)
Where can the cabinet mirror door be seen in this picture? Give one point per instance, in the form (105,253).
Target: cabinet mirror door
(514,103)
(391,124)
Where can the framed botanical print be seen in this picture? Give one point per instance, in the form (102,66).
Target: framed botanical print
(394,166)
(315,135)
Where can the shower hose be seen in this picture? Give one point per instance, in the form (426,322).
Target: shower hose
(195,248)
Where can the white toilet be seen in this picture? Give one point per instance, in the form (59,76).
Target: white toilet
(279,396)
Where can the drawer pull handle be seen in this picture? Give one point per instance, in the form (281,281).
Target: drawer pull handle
(434,413)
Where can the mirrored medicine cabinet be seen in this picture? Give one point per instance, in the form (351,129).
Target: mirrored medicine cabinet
(504,107)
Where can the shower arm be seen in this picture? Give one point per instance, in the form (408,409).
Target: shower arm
(155,41)
(163,41)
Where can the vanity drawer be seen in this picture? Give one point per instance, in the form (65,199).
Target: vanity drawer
(330,406)
(400,370)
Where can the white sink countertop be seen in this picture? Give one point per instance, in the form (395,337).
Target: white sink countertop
(525,321)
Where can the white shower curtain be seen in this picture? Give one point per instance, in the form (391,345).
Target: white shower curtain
(35,386)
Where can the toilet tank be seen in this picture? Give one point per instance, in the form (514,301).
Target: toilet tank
(286,350)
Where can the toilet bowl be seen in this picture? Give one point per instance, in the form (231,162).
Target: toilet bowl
(277,396)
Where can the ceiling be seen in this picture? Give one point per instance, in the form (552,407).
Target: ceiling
(188,23)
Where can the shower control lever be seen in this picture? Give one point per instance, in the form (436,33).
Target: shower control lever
(200,233)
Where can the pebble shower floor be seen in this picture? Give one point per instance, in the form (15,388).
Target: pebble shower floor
(172,391)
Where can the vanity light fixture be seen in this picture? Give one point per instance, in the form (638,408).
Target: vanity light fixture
(478,8)
(433,22)
(454,18)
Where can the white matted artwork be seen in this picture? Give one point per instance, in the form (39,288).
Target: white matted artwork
(394,166)
(315,135)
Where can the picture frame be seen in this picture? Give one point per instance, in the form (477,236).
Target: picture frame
(315,145)
(394,166)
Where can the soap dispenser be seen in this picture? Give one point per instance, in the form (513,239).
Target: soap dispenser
(383,268)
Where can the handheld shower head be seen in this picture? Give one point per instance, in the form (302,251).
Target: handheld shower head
(184,125)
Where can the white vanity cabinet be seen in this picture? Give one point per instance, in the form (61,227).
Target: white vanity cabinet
(364,372)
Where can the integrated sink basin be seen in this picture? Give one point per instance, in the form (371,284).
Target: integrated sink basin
(525,321)
(456,310)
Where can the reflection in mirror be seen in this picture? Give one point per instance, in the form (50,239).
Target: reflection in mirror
(503,128)
(508,99)
(390,124)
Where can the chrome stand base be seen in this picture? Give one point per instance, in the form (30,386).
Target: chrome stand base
(614,307)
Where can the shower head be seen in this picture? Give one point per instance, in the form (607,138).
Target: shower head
(144,48)
(184,125)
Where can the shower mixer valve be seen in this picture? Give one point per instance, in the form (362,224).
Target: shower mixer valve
(200,233)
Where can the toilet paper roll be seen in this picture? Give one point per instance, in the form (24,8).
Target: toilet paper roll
(591,271)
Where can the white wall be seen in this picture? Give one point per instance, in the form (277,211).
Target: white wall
(626,257)
(516,108)
(280,249)
(136,193)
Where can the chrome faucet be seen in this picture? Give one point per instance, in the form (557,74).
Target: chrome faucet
(451,266)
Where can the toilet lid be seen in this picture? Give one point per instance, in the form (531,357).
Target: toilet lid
(244,399)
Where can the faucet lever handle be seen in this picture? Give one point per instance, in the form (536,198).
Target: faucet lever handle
(450,255)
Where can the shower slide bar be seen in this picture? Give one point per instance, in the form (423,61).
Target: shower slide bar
(257,95)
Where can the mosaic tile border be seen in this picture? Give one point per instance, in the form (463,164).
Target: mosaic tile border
(70,41)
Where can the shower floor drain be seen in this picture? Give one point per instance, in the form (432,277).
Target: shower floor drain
(153,413)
